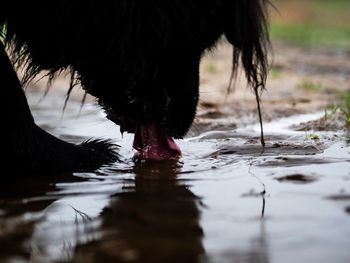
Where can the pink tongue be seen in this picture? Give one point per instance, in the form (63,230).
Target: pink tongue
(152,143)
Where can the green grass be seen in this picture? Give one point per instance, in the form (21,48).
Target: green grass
(309,85)
(311,34)
(211,68)
(275,73)
(342,106)
(345,106)
(312,22)
(311,136)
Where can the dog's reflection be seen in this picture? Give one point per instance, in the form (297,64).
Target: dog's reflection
(155,219)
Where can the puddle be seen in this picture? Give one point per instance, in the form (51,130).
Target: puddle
(224,201)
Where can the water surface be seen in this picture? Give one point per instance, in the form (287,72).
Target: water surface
(224,201)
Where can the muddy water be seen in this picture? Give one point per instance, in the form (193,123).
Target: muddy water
(224,201)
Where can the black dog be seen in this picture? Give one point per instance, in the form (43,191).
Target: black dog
(140,59)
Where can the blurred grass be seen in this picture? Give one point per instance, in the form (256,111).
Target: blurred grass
(311,35)
(312,22)
(345,106)
(275,73)
(340,109)
(311,86)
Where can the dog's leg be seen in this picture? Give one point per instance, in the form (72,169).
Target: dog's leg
(30,149)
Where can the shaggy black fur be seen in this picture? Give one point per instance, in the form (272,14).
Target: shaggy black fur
(140,59)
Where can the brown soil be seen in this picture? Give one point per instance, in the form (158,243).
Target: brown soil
(327,71)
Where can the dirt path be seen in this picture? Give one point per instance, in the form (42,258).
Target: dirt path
(301,80)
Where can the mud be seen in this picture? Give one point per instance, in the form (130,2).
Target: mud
(226,200)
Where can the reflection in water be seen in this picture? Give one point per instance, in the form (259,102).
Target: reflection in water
(154,219)
(19,214)
(258,251)
(152,216)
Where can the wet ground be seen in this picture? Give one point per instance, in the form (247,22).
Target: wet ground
(224,201)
